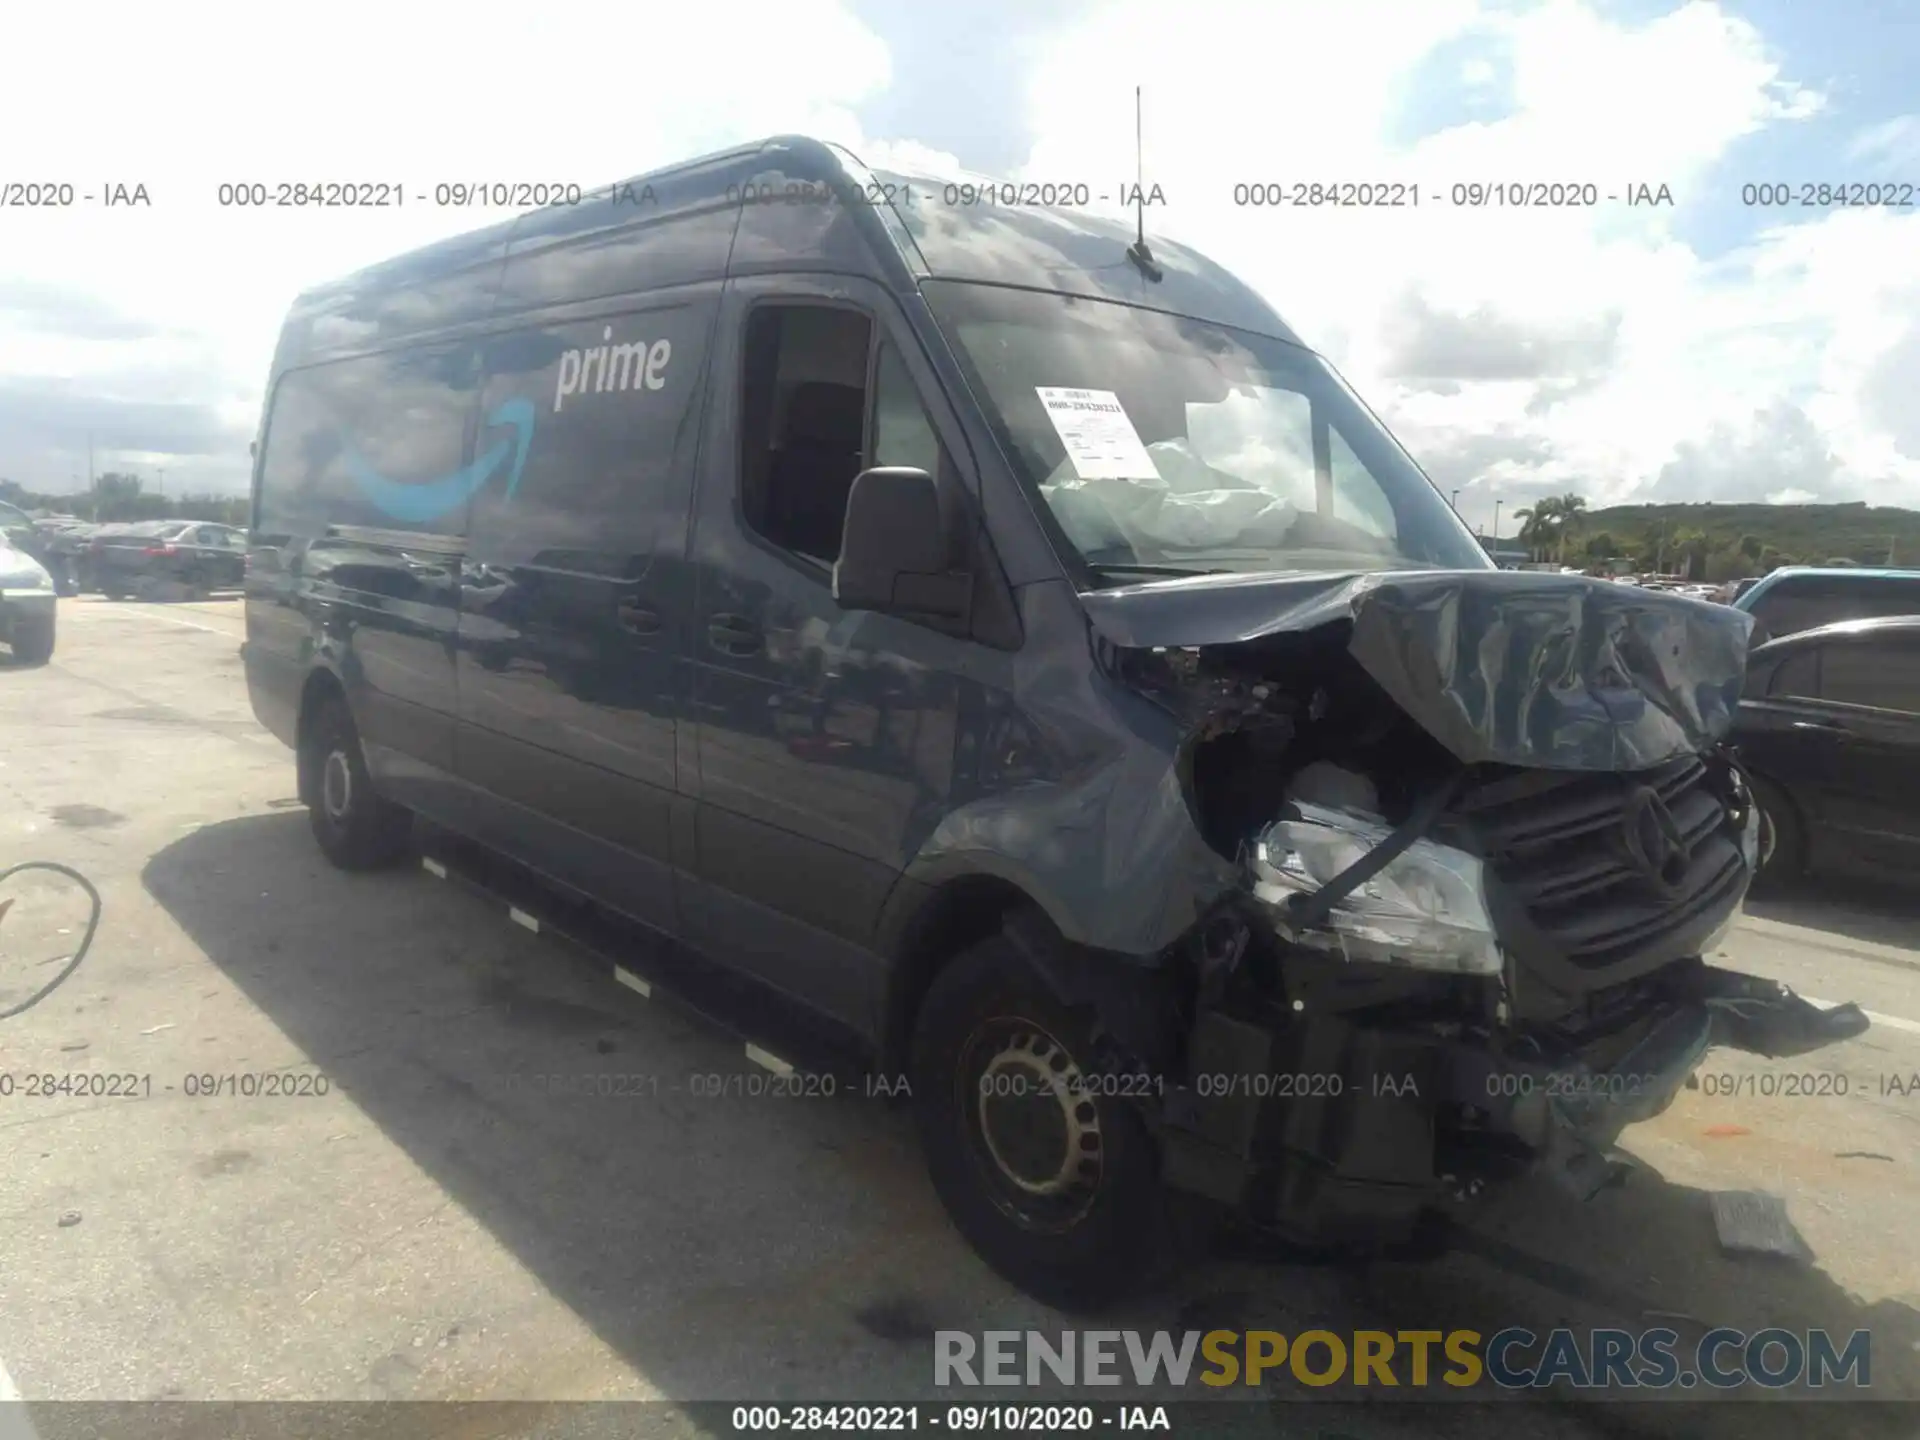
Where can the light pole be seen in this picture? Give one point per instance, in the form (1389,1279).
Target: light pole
(1453,502)
(1496,529)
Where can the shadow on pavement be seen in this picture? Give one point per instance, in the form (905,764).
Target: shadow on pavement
(758,1248)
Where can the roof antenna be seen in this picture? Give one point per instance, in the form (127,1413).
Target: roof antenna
(1138,252)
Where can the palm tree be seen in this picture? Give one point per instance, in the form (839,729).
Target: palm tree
(1572,513)
(1539,525)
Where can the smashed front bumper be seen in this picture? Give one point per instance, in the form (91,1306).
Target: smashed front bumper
(1335,1129)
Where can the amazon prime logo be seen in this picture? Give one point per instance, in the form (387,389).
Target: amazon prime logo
(422,501)
(1655,846)
(597,369)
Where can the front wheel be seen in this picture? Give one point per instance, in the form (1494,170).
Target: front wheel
(357,828)
(1052,1180)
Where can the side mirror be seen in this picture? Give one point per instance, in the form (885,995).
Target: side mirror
(902,548)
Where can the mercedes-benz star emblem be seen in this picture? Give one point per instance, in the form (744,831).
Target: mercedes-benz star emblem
(1653,840)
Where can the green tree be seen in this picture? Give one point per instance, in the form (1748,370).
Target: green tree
(1571,516)
(1728,562)
(1686,552)
(1536,524)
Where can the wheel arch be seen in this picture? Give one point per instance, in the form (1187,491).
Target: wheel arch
(320,687)
(935,924)
(1131,994)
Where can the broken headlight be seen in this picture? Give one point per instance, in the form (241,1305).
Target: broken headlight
(1426,909)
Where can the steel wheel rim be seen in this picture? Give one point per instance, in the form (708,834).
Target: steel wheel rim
(1033,1125)
(336,785)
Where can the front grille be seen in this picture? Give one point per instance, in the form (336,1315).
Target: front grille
(1566,874)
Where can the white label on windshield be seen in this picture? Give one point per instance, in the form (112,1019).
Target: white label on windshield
(1101,441)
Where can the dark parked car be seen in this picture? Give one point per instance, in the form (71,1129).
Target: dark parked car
(1829,730)
(64,542)
(1017,650)
(1799,597)
(165,558)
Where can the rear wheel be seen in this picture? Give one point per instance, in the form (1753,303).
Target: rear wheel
(1783,837)
(1052,1181)
(32,643)
(357,828)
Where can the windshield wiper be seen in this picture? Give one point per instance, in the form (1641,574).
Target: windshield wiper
(1114,567)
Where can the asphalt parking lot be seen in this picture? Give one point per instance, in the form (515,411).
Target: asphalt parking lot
(433,1226)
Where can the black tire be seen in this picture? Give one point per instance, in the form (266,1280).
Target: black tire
(357,828)
(1103,1233)
(32,644)
(1783,838)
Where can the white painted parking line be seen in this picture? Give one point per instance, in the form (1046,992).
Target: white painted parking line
(1892,1022)
(633,982)
(176,620)
(522,919)
(768,1061)
(433,867)
(15,1424)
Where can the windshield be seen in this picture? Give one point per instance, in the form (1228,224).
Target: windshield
(1164,444)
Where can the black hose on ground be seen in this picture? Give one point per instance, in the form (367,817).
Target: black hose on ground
(86,940)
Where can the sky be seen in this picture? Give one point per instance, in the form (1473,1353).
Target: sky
(1708,346)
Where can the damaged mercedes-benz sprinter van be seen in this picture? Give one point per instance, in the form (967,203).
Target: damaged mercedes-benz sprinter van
(1004,641)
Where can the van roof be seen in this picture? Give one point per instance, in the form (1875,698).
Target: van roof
(688,223)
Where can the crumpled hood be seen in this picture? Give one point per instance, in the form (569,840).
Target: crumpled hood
(1549,671)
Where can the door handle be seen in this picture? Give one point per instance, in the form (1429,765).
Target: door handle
(733,634)
(639,619)
(1821,727)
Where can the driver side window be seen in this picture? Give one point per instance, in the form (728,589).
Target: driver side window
(812,386)
(902,432)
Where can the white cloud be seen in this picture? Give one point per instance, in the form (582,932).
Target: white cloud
(1517,350)
(190,96)
(1560,348)
(1894,142)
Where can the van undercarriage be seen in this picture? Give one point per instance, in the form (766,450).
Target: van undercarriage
(1347,1127)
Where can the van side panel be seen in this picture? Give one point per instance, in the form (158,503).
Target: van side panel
(360,519)
(575,599)
(440,287)
(800,213)
(642,236)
